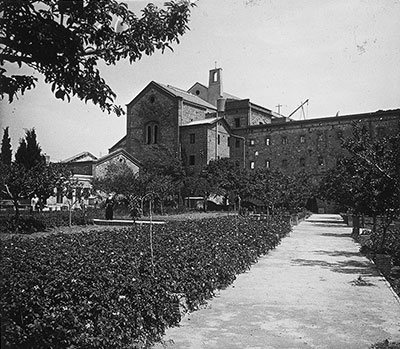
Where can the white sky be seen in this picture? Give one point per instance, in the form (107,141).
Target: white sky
(343,55)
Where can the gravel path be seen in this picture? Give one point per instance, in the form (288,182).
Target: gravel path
(315,290)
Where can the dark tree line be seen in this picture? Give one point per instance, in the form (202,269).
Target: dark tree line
(28,174)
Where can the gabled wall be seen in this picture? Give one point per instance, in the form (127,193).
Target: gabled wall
(153,106)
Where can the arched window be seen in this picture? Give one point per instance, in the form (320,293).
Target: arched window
(155,135)
(151,133)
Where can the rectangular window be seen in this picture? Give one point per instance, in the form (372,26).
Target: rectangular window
(237,122)
(268,141)
(59,196)
(237,143)
(192,138)
(284,140)
(219,139)
(267,163)
(229,141)
(252,142)
(191,160)
(302,139)
(252,165)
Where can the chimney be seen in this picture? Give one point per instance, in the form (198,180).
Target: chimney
(221,105)
(215,90)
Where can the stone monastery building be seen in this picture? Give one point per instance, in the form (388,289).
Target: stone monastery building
(206,123)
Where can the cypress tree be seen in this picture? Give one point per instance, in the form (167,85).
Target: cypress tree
(6,151)
(29,151)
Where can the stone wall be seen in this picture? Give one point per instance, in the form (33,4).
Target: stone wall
(237,109)
(191,113)
(101,168)
(198,149)
(205,147)
(258,117)
(152,106)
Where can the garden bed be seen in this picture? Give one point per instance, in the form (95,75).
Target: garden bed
(110,289)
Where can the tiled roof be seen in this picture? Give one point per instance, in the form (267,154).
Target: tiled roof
(191,98)
(84,156)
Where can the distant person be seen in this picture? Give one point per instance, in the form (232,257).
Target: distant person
(109,207)
(34,203)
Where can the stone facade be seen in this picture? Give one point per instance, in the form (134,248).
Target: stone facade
(118,156)
(206,123)
(313,145)
(203,141)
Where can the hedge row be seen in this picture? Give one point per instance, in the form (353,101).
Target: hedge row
(101,289)
(40,221)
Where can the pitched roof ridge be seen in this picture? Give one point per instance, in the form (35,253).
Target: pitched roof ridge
(80,155)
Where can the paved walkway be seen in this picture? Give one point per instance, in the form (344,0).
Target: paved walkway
(314,291)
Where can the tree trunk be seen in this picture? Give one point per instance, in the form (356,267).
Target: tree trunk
(162,207)
(70,216)
(374,220)
(385,227)
(16,207)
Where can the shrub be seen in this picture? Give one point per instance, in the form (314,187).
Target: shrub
(40,221)
(101,289)
(386,345)
(391,247)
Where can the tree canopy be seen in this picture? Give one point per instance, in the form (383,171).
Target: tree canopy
(29,173)
(368,180)
(66,39)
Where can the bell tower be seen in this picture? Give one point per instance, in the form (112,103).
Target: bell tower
(215,90)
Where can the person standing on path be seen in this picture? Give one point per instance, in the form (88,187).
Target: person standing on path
(34,203)
(109,207)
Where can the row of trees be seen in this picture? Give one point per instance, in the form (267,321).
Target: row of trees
(29,173)
(367,182)
(167,184)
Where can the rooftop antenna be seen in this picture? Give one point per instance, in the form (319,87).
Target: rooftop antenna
(215,64)
(279,108)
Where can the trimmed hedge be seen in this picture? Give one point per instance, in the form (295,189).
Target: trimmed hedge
(40,221)
(101,290)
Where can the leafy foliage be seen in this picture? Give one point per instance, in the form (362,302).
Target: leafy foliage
(41,221)
(98,289)
(386,344)
(368,181)
(17,182)
(65,41)
(272,189)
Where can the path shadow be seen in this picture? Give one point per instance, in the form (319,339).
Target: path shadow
(347,267)
(327,222)
(338,253)
(330,225)
(338,235)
